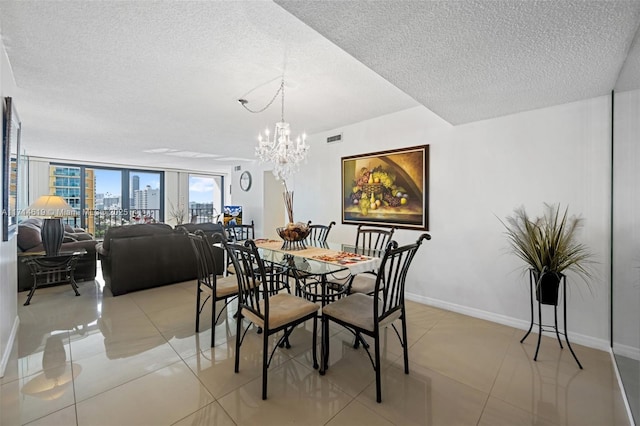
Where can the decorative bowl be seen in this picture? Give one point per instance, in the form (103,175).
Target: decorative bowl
(293,235)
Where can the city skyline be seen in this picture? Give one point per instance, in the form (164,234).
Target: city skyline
(103,193)
(201,188)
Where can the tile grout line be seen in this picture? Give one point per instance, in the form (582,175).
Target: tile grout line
(184,361)
(73,380)
(495,379)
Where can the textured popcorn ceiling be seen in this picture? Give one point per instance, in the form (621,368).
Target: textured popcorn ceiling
(473,60)
(156,83)
(629,78)
(140,82)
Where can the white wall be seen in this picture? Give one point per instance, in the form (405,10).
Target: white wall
(480,172)
(252,201)
(8,251)
(274,214)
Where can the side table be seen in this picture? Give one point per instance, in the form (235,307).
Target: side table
(42,265)
(554,327)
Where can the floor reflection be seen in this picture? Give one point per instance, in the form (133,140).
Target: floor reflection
(80,360)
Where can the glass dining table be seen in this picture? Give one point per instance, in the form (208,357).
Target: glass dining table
(321,271)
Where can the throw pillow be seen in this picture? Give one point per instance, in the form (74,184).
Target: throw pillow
(69,238)
(82,236)
(28,236)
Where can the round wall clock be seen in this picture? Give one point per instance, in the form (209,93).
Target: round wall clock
(245,181)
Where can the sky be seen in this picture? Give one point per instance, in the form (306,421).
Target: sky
(201,189)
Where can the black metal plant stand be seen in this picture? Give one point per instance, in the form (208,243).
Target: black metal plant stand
(554,327)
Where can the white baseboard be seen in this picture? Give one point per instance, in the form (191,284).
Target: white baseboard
(7,352)
(581,339)
(626,350)
(624,393)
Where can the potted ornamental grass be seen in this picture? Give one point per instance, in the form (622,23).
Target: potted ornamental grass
(549,246)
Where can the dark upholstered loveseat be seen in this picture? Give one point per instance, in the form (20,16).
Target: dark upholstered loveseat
(207,227)
(138,257)
(29,240)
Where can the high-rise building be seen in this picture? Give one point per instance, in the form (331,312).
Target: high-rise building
(147,199)
(135,187)
(66,181)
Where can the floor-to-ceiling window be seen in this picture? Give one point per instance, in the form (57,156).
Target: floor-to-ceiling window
(104,197)
(205,198)
(145,196)
(103,202)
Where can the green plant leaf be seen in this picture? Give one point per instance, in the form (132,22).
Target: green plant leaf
(549,243)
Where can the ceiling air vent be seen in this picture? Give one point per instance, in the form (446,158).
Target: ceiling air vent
(335,138)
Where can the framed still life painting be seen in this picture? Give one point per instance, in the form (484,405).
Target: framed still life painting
(387,188)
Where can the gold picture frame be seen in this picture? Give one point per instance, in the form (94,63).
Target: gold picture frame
(387,188)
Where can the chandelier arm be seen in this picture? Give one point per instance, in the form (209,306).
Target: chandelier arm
(281,89)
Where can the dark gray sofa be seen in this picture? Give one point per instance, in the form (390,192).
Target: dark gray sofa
(138,257)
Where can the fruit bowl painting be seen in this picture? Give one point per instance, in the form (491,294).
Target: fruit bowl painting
(387,188)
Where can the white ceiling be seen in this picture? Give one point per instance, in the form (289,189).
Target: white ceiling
(110,81)
(477,59)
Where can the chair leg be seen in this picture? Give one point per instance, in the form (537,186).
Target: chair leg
(315,342)
(213,321)
(359,339)
(198,308)
(377,355)
(265,357)
(324,345)
(405,344)
(238,333)
(285,343)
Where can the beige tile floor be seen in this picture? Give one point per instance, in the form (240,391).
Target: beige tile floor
(136,360)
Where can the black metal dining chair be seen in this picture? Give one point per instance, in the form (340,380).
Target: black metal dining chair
(241,232)
(216,287)
(317,238)
(270,312)
(363,314)
(318,233)
(370,241)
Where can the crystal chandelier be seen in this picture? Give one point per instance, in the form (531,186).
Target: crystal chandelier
(285,154)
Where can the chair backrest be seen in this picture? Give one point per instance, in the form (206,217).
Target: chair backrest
(241,232)
(390,281)
(370,241)
(319,233)
(205,259)
(250,272)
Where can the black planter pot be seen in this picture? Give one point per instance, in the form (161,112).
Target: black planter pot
(547,287)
